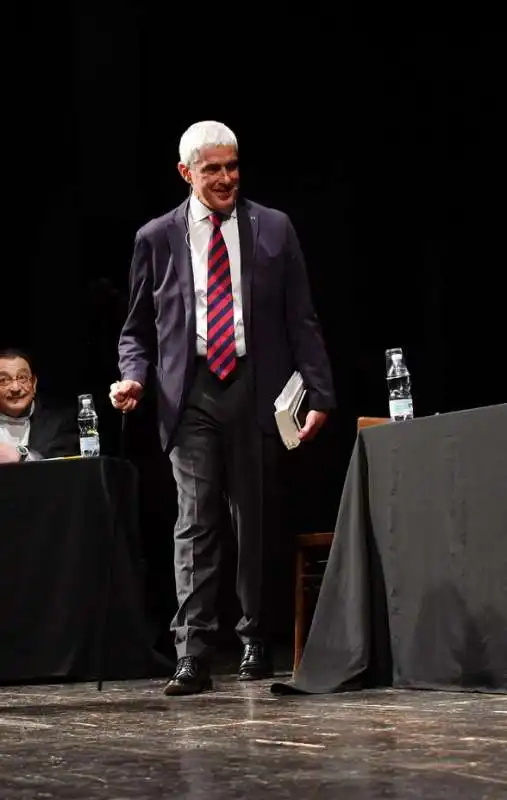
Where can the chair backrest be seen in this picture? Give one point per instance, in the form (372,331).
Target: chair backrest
(366,422)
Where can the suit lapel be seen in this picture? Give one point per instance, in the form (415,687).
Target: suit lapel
(179,245)
(248,225)
(38,438)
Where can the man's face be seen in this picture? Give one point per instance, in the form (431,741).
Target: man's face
(214,177)
(17,386)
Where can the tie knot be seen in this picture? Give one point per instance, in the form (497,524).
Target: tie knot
(216,219)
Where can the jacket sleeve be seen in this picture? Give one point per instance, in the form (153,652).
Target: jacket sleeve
(64,437)
(304,330)
(137,338)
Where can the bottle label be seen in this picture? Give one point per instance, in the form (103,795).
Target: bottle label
(401,409)
(89,445)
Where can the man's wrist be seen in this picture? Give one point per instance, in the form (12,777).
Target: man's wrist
(131,378)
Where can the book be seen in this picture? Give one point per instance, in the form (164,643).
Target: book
(290,410)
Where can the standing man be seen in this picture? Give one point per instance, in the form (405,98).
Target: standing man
(220,305)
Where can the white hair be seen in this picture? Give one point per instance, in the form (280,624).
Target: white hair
(204,134)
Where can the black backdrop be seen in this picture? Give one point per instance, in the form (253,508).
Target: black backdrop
(388,152)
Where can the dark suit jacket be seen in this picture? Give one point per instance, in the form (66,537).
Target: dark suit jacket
(53,431)
(281,327)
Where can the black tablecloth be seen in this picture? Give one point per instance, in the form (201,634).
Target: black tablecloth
(58,523)
(415,590)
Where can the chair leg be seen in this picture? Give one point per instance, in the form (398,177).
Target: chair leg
(299,611)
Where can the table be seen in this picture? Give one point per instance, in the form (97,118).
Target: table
(414,594)
(62,524)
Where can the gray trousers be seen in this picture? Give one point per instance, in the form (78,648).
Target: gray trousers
(219,452)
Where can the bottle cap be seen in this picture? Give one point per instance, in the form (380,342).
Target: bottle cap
(85,401)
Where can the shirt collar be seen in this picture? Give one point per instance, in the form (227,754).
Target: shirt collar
(199,211)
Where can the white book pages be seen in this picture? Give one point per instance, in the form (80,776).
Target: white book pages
(286,405)
(290,393)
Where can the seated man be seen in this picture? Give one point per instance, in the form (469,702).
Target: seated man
(30,430)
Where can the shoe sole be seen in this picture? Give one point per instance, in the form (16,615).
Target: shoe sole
(180,691)
(252,677)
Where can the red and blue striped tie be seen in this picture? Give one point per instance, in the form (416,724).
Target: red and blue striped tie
(221,344)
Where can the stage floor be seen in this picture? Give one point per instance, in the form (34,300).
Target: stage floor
(239,741)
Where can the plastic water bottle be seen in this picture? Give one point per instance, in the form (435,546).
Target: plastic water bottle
(88,423)
(399,385)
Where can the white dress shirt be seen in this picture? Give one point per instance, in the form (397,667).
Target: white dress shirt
(15,430)
(199,229)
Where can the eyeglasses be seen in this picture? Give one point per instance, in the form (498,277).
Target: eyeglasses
(23,380)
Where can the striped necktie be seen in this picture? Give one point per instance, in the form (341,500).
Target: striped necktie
(221,343)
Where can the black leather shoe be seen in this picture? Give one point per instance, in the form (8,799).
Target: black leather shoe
(256,663)
(191,677)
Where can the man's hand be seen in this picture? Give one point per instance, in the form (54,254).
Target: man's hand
(8,454)
(313,423)
(125,395)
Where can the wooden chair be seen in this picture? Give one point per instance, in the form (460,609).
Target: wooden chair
(311,558)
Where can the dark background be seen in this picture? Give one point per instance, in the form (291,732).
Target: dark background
(387,151)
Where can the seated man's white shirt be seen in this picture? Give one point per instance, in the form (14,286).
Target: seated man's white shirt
(15,430)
